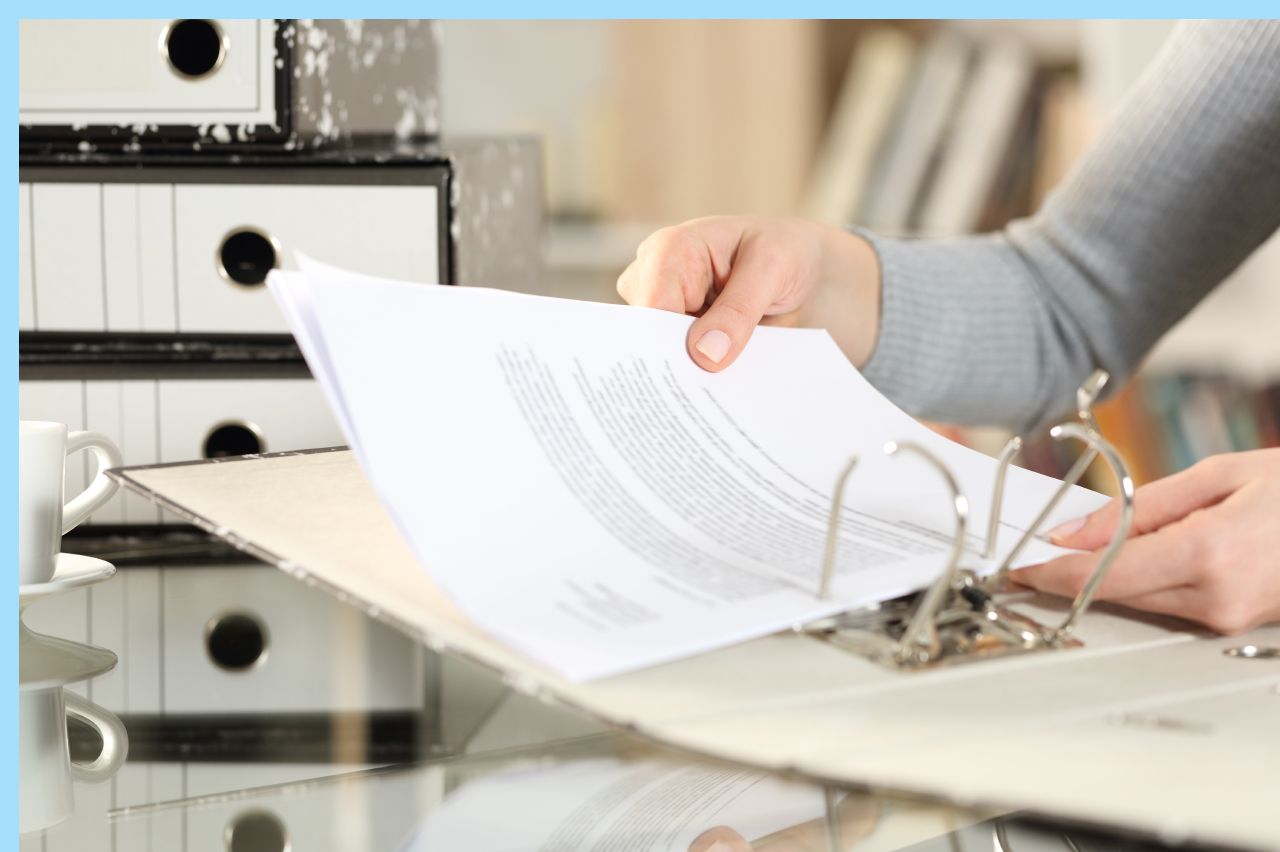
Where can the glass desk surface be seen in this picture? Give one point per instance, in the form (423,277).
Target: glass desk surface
(608,792)
(329,731)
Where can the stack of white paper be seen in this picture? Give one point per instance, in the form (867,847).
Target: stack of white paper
(590,496)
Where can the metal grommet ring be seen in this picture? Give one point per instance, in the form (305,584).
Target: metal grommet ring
(261,254)
(256,830)
(232,626)
(231,430)
(194,75)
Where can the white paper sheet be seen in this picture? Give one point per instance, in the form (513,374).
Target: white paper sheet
(641,806)
(593,498)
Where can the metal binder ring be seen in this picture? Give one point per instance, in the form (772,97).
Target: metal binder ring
(920,641)
(1007,455)
(1100,446)
(1086,396)
(833,530)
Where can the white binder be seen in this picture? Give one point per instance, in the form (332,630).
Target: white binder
(1150,726)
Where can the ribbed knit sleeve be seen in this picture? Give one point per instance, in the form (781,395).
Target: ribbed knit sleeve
(1181,186)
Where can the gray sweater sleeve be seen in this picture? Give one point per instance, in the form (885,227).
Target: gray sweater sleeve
(1179,189)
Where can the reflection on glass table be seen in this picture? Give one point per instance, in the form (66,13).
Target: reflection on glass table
(606,792)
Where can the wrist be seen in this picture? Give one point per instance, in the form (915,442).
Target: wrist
(845,299)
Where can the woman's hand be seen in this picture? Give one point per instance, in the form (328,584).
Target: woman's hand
(1205,545)
(735,272)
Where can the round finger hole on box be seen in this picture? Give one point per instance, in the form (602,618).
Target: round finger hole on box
(193,48)
(236,641)
(233,438)
(257,831)
(246,255)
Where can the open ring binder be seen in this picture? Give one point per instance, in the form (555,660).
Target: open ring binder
(959,618)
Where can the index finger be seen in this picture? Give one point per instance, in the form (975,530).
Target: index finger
(1166,558)
(676,268)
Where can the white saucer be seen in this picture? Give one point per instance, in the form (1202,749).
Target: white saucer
(47,661)
(72,572)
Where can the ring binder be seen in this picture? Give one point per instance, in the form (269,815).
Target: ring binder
(958,618)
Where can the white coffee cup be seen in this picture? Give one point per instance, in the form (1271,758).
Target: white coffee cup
(43,448)
(45,770)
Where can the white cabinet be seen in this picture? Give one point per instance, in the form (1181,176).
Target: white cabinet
(251,639)
(281,414)
(388,231)
(130,72)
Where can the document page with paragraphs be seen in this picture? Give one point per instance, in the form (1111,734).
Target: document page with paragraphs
(591,497)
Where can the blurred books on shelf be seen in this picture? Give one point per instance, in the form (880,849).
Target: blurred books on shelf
(979,140)
(878,73)
(952,135)
(913,141)
(1160,424)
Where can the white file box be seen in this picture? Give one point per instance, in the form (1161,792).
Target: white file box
(129,72)
(124,616)
(390,231)
(123,245)
(137,222)
(66,228)
(317,654)
(154,421)
(394,804)
(26,283)
(283,414)
(320,821)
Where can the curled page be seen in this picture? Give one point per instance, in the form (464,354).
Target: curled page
(590,496)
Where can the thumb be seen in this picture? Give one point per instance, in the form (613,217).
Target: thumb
(758,280)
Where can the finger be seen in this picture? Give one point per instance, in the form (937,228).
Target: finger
(1157,504)
(720,839)
(629,283)
(1182,601)
(1164,559)
(675,269)
(761,275)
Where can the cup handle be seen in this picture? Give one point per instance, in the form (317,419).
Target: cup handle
(115,739)
(103,488)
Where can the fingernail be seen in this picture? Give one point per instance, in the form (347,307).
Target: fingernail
(714,344)
(1066,530)
(719,845)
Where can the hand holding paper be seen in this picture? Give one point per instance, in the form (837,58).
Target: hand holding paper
(593,498)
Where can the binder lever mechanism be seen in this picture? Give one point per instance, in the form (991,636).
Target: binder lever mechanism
(959,617)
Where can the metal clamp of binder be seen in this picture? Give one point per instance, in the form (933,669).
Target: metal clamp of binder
(960,618)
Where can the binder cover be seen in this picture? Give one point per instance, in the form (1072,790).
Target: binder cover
(1149,727)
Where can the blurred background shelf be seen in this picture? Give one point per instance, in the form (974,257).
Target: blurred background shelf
(646,124)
